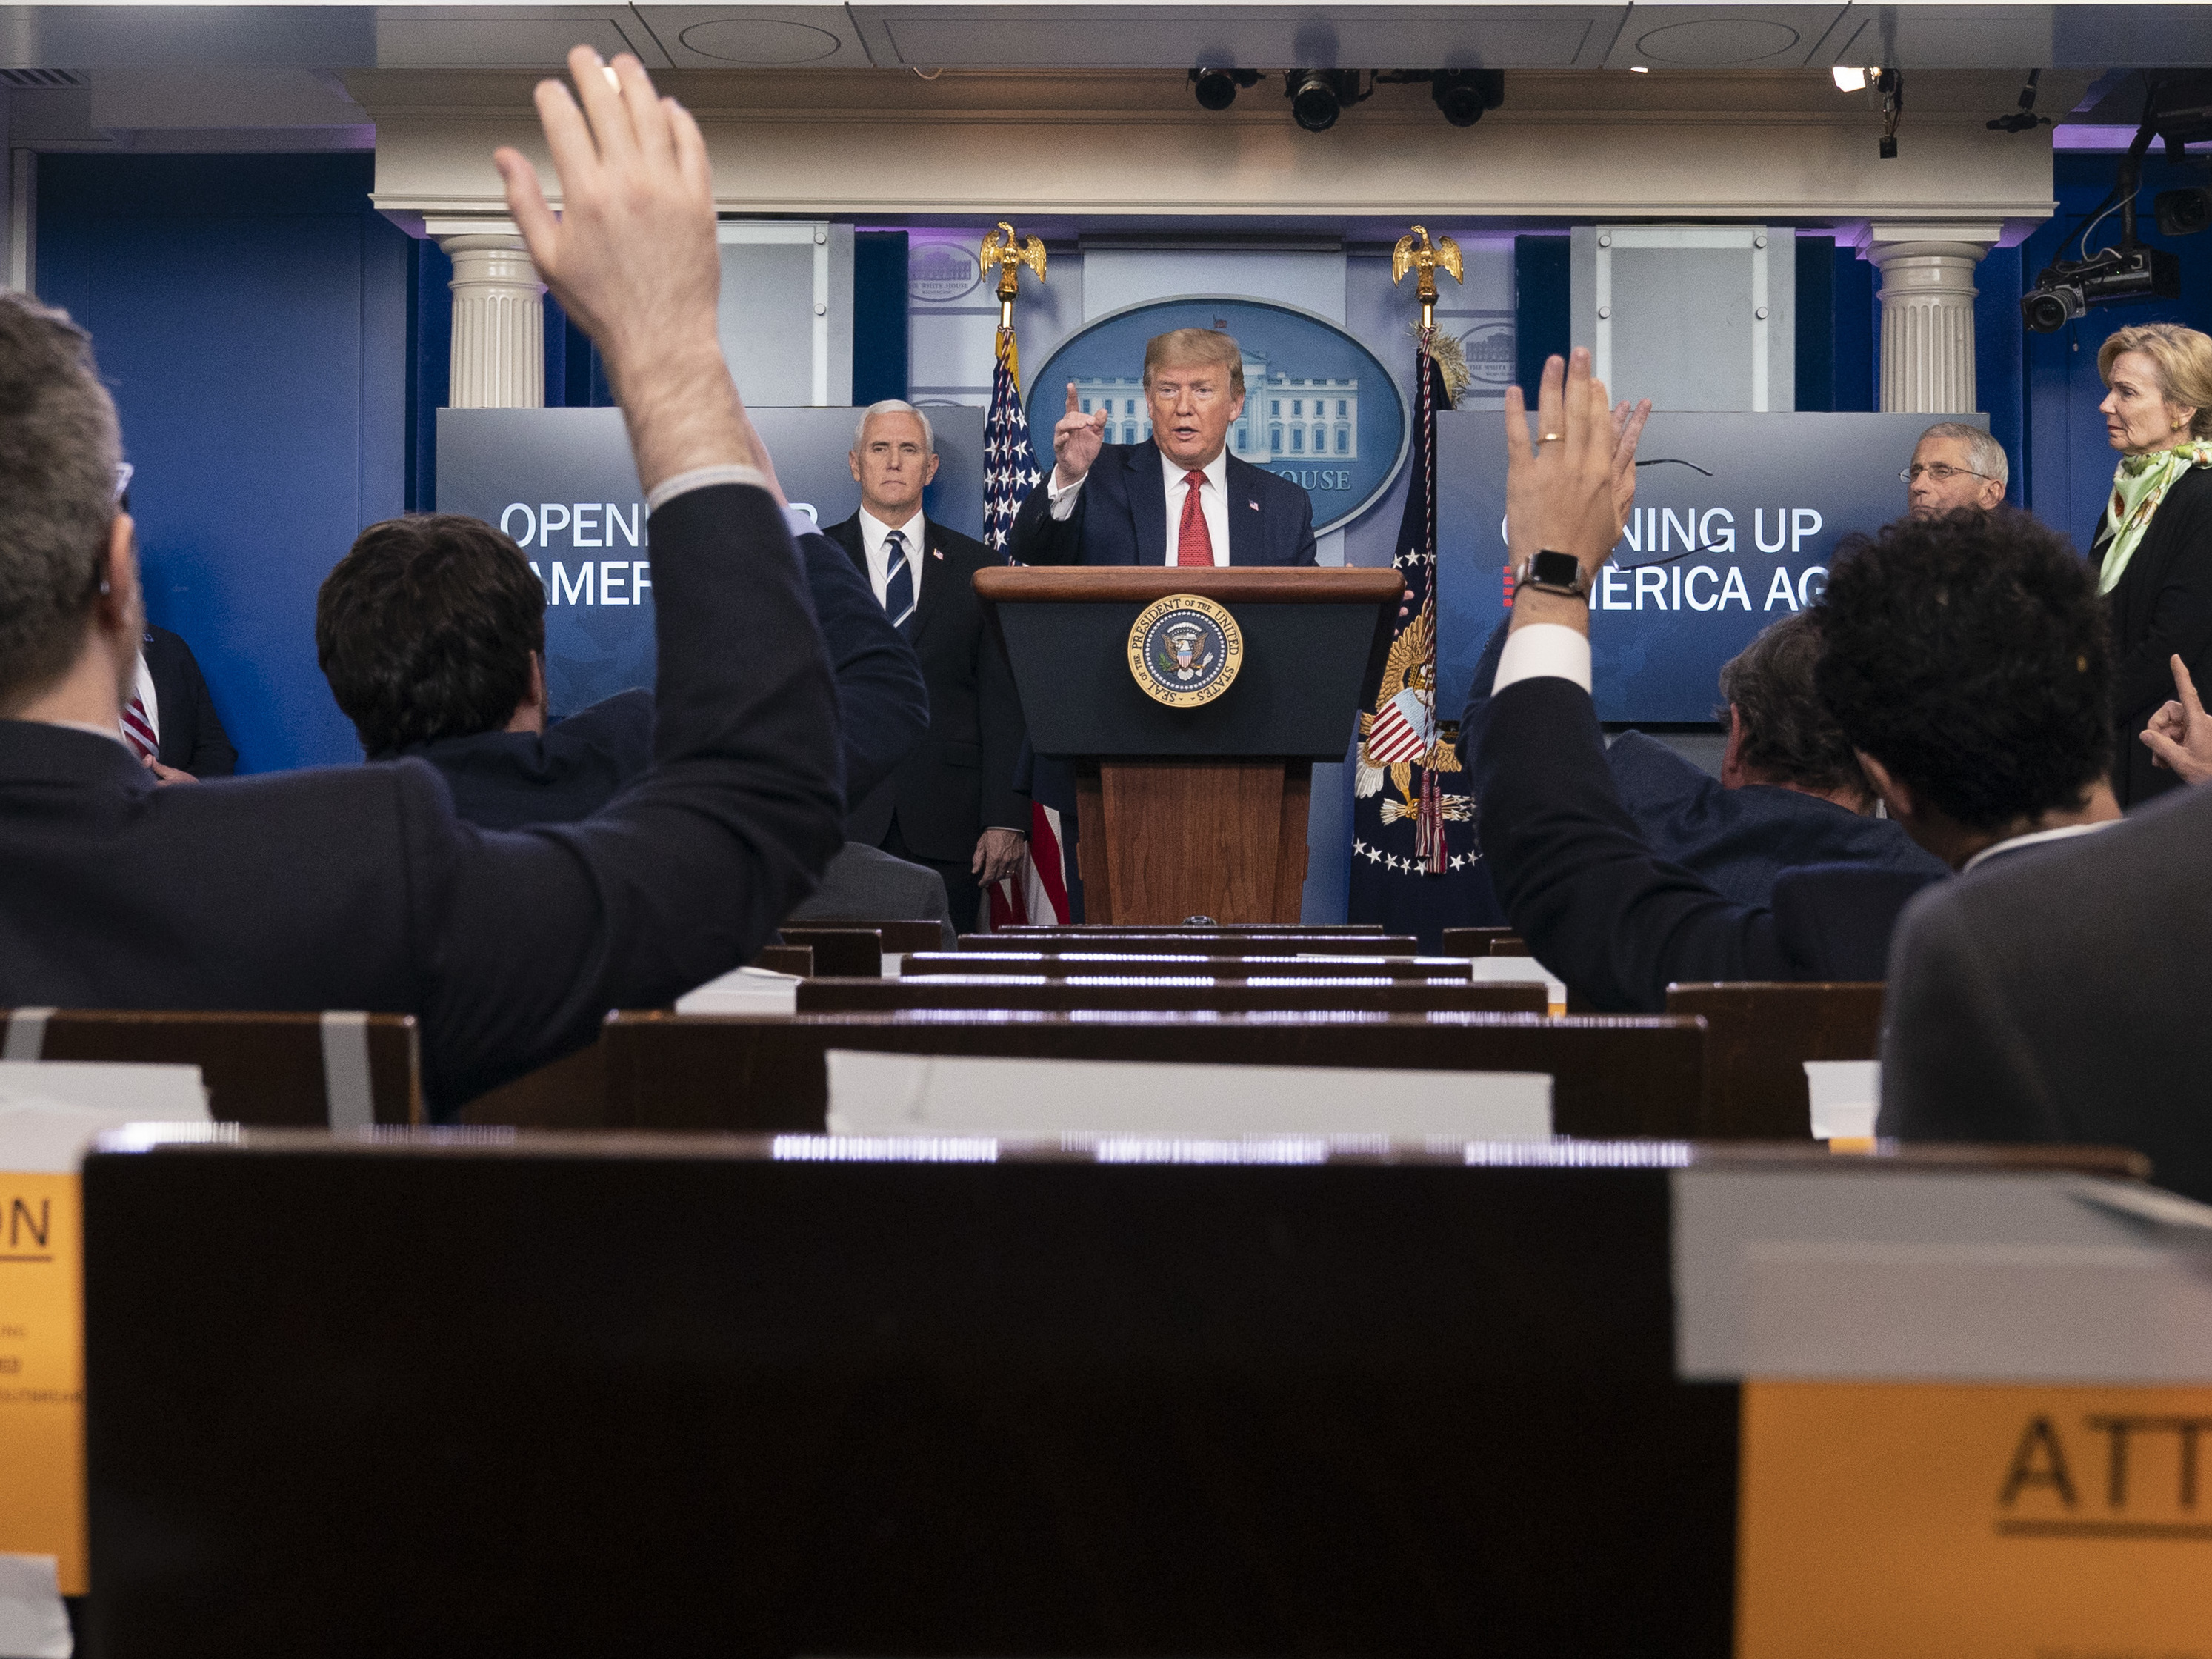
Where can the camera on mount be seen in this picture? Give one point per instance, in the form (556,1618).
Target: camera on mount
(2067,288)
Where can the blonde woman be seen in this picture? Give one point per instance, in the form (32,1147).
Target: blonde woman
(2153,554)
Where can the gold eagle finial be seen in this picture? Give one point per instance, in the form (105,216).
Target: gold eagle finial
(1010,253)
(1426,260)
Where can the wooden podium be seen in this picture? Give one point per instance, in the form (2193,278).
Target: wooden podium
(1183,811)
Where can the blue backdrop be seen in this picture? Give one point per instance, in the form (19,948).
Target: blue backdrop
(250,315)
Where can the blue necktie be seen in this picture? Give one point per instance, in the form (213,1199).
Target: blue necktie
(898,584)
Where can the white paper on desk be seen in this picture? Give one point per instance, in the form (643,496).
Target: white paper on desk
(51,1109)
(33,1622)
(1847,1094)
(1517,970)
(744,991)
(909,1094)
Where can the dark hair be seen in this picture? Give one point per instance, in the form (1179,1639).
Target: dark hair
(424,630)
(1970,655)
(58,453)
(1789,736)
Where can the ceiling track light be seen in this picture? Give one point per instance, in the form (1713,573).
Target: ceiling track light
(1850,79)
(1318,96)
(1216,88)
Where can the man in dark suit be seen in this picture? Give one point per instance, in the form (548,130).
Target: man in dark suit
(356,888)
(2059,995)
(170,705)
(1966,659)
(1177,498)
(951,805)
(1790,792)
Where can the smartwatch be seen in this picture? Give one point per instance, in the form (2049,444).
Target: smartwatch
(1554,572)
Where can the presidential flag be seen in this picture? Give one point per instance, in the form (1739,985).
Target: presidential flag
(1416,867)
(1037,892)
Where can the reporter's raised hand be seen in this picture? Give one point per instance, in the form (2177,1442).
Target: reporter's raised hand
(1627,427)
(1075,441)
(632,258)
(2179,735)
(1559,475)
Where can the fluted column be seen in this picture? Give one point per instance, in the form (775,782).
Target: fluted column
(1927,314)
(498,318)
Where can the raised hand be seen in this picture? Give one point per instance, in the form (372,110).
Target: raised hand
(632,258)
(1627,427)
(2179,735)
(1559,474)
(1076,441)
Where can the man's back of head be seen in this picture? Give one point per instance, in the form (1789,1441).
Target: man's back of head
(1969,656)
(1781,732)
(426,630)
(58,455)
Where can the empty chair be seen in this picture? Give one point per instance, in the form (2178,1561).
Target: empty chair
(1369,994)
(1201,945)
(1759,1036)
(273,1071)
(843,950)
(1484,942)
(1617,1077)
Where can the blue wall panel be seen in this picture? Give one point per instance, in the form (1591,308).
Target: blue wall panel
(251,315)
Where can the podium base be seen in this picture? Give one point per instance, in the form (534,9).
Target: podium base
(1159,839)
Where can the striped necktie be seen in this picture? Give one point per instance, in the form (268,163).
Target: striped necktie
(898,582)
(138,731)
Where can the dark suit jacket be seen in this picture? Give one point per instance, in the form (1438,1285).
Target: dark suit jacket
(2058,993)
(1598,908)
(2163,604)
(356,887)
(1121,515)
(192,738)
(959,780)
(504,780)
(1738,841)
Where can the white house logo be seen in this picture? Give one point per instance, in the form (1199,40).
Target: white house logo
(938,272)
(1185,650)
(1489,349)
(1319,408)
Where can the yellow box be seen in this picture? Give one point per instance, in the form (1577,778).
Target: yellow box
(1974,1522)
(42,1502)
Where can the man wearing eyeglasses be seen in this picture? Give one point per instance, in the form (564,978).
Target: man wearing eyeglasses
(1954,466)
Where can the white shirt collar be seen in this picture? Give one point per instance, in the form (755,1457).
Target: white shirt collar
(1216,470)
(873,530)
(2030,839)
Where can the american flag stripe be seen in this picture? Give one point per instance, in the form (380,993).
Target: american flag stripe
(1393,738)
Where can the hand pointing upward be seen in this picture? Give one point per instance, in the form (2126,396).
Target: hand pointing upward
(1075,443)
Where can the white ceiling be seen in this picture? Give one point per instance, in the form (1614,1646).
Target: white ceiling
(1080,33)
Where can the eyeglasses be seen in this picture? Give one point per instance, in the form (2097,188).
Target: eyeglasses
(1940,472)
(124,471)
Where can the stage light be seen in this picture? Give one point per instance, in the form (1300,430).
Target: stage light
(1637,69)
(1850,79)
(1463,95)
(1216,89)
(1318,96)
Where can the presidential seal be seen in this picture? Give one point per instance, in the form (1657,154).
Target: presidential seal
(1185,651)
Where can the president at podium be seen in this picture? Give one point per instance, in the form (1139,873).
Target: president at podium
(1178,498)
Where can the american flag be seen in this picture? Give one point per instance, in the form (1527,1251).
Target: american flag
(1009,468)
(1037,892)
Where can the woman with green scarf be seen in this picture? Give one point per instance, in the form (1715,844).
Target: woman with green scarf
(2154,549)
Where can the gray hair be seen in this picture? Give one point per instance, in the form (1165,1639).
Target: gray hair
(59,450)
(1986,453)
(893,406)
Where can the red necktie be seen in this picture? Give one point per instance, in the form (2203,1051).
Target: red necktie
(1194,541)
(138,731)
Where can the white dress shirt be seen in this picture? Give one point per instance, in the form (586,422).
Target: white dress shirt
(149,698)
(1213,501)
(874,532)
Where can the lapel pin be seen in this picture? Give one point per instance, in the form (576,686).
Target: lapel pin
(1254,506)
(936,552)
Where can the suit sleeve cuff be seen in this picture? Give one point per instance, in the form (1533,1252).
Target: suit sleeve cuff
(700,477)
(1063,502)
(1542,651)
